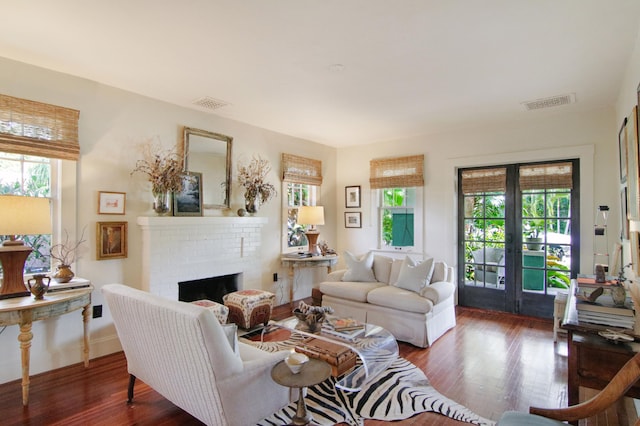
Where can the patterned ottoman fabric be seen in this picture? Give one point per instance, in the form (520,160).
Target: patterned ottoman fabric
(220,311)
(248,308)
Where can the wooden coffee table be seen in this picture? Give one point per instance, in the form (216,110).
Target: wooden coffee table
(313,372)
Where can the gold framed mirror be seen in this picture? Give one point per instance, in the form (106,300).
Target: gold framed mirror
(209,153)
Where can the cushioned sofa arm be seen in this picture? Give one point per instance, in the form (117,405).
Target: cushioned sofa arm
(336,276)
(438,291)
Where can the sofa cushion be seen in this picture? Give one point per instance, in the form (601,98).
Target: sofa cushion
(356,291)
(400,299)
(382,268)
(415,276)
(395,271)
(360,270)
(439,272)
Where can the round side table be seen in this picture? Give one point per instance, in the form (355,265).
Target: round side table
(314,371)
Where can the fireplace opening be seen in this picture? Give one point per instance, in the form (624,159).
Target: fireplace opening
(212,288)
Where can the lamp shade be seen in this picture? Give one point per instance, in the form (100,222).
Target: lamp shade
(24,215)
(311,215)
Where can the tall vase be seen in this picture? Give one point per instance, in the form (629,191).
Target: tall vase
(162,202)
(251,204)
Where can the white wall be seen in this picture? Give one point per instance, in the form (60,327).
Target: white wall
(112,124)
(552,136)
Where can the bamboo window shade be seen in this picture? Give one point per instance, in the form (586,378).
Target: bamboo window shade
(399,172)
(35,128)
(484,180)
(303,170)
(546,176)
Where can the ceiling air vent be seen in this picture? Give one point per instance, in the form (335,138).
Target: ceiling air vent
(550,102)
(210,103)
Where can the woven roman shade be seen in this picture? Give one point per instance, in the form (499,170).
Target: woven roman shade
(297,169)
(399,172)
(35,128)
(546,176)
(484,180)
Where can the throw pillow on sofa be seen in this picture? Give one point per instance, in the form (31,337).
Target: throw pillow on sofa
(415,276)
(360,270)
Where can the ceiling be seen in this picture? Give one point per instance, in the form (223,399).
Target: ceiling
(338,72)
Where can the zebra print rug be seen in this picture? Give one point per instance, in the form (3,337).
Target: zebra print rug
(399,393)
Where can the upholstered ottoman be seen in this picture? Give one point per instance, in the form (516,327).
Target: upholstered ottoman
(220,311)
(248,308)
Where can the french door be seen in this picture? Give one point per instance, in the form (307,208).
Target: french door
(517,235)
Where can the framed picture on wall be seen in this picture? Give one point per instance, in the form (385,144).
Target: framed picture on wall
(353,220)
(111,202)
(352,196)
(624,214)
(111,240)
(188,202)
(633,176)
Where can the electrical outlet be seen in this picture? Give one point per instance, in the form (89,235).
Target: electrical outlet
(275,277)
(97,311)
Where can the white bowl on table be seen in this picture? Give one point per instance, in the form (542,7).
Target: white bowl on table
(295,361)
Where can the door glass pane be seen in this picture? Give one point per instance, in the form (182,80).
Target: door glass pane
(484,226)
(546,236)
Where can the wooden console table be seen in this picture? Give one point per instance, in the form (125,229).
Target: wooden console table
(593,361)
(25,310)
(295,263)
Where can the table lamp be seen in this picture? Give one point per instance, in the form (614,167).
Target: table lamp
(311,215)
(20,215)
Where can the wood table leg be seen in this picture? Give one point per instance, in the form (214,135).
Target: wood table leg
(292,276)
(25,338)
(86,316)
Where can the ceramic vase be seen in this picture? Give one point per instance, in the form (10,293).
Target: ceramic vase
(37,285)
(63,274)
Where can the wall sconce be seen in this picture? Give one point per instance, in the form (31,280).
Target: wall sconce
(20,216)
(312,215)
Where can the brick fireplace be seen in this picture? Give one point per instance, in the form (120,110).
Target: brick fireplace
(177,249)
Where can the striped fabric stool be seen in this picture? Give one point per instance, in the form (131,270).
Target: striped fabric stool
(248,308)
(220,311)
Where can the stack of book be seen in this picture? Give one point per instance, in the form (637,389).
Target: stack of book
(602,311)
(345,328)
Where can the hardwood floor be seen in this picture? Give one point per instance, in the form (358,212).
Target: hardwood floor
(490,362)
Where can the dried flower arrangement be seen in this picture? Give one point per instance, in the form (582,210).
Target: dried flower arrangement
(252,178)
(162,167)
(66,252)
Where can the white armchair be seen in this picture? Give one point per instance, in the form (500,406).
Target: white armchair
(181,351)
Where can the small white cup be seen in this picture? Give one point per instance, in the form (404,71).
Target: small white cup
(295,361)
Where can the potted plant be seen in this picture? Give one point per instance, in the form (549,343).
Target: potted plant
(164,170)
(252,178)
(534,232)
(65,253)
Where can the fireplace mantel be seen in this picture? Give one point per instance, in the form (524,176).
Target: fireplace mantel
(173,221)
(176,249)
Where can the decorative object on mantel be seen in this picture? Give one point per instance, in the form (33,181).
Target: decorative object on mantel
(312,316)
(252,178)
(65,253)
(164,170)
(242,212)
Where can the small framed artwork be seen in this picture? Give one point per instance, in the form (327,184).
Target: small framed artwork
(622,149)
(111,202)
(111,240)
(352,196)
(188,202)
(352,219)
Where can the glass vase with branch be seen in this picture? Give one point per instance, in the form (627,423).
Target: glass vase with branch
(164,170)
(66,253)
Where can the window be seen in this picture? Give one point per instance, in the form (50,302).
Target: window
(399,182)
(397,215)
(34,137)
(301,180)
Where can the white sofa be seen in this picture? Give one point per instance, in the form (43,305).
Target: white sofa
(417,316)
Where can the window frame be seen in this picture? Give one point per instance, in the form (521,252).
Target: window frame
(313,199)
(418,219)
